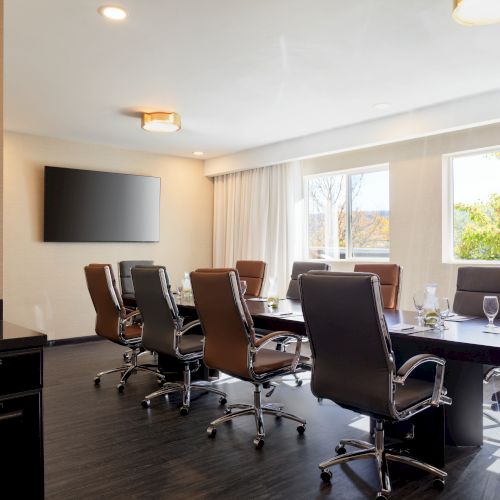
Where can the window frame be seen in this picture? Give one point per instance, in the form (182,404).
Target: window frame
(447,224)
(348,172)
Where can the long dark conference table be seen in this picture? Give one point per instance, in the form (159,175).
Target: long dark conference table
(464,345)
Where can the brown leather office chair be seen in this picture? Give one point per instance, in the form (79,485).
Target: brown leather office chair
(163,332)
(253,272)
(231,345)
(473,283)
(125,268)
(114,322)
(390,281)
(353,365)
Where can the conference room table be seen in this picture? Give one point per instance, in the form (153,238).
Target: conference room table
(465,346)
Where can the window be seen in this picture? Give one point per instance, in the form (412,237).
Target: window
(472,217)
(347,215)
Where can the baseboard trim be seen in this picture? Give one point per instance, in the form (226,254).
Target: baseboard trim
(74,340)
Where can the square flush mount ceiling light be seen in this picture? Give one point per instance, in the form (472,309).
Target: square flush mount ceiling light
(161,122)
(476,12)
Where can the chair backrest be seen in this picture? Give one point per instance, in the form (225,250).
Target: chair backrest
(299,268)
(225,320)
(352,355)
(473,283)
(126,283)
(390,281)
(107,302)
(158,309)
(253,272)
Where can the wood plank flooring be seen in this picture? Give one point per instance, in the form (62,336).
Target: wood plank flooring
(100,444)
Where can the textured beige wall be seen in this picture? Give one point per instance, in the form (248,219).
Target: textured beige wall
(415,201)
(44,284)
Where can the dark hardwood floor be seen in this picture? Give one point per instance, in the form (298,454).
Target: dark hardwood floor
(100,444)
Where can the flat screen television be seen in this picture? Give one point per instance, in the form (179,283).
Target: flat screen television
(86,205)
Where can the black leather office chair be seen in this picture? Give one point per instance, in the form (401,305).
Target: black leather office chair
(299,268)
(473,283)
(126,283)
(163,332)
(353,365)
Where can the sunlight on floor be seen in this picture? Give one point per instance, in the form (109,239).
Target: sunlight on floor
(361,423)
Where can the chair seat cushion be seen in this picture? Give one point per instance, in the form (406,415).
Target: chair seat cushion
(132,332)
(190,343)
(267,360)
(411,393)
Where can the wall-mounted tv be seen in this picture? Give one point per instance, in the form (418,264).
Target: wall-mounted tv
(85,205)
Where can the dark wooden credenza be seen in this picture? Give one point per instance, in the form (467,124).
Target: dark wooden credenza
(21,428)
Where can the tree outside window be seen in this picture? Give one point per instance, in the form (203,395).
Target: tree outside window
(348,215)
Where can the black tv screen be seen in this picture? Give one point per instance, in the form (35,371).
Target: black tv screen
(85,205)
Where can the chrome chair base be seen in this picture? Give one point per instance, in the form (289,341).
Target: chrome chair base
(128,368)
(381,456)
(258,410)
(185,387)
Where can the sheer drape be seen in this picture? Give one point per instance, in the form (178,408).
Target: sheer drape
(254,219)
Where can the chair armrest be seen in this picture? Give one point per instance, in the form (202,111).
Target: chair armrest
(260,343)
(270,336)
(130,315)
(187,327)
(491,373)
(438,396)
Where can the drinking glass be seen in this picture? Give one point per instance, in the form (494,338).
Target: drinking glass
(444,311)
(490,308)
(418,300)
(180,289)
(243,286)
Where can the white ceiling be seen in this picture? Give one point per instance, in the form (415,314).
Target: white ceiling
(242,73)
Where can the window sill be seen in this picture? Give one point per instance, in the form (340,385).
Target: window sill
(472,262)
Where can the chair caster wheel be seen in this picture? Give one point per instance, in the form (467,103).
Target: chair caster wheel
(380,496)
(258,443)
(339,449)
(438,483)
(120,387)
(145,403)
(125,357)
(298,383)
(97,380)
(184,410)
(160,381)
(495,406)
(301,429)
(222,400)
(228,411)
(211,432)
(320,400)
(326,476)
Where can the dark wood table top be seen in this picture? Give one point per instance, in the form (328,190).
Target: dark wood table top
(17,337)
(464,341)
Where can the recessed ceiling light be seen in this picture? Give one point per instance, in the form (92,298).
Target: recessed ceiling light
(113,12)
(161,122)
(476,12)
(382,105)
(198,153)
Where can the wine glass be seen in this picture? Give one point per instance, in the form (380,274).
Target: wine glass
(243,286)
(418,300)
(444,311)
(490,308)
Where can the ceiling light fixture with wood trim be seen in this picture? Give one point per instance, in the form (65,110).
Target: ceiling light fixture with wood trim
(161,122)
(476,12)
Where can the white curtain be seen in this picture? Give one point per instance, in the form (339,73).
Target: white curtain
(257,217)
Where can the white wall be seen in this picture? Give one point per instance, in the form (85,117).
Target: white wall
(44,284)
(415,201)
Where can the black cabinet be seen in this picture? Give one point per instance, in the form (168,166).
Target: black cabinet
(21,436)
